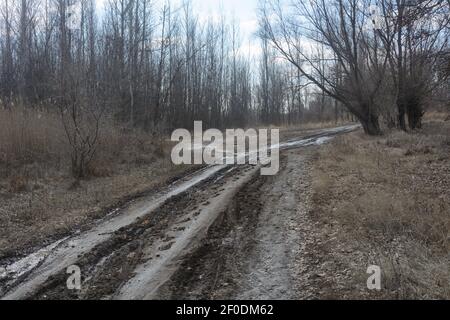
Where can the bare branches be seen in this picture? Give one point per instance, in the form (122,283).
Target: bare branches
(368,50)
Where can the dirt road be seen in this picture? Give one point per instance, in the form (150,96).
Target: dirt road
(251,252)
(222,232)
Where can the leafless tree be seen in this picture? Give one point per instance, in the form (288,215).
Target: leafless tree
(339,27)
(419,27)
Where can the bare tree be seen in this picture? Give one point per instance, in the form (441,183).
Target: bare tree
(8,72)
(420,42)
(339,26)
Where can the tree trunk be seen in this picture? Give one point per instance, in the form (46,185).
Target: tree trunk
(371,125)
(401,114)
(415,114)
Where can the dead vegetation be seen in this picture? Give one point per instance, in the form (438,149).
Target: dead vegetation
(40,199)
(390,198)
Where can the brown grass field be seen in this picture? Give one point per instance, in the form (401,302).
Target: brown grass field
(388,198)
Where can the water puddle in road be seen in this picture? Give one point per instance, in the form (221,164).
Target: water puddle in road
(23,266)
(54,257)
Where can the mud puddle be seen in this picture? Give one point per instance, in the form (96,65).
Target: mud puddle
(144,245)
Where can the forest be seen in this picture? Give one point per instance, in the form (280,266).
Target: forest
(357,91)
(161,67)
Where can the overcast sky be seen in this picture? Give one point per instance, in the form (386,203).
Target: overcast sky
(244,11)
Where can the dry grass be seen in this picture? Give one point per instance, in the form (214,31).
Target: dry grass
(31,139)
(316,125)
(391,196)
(39,199)
(323,125)
(30,136)
(437,116)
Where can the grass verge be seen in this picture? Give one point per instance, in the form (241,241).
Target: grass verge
(388,199)
(39,198)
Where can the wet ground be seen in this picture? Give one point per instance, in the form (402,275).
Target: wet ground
(223,232)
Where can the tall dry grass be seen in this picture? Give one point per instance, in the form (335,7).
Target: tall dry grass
(391,194)
(28,136)
(40,199)
(437,115)
(37,138)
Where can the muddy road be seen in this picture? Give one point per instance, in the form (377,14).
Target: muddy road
(223,232)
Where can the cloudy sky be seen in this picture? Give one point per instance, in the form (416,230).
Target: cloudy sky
(243,11)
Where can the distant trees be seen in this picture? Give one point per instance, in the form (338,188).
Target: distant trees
(160,68)
(145,65)
(156,68)
(7,76)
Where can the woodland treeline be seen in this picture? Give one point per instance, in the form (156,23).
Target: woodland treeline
(157,67)
(162,67)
